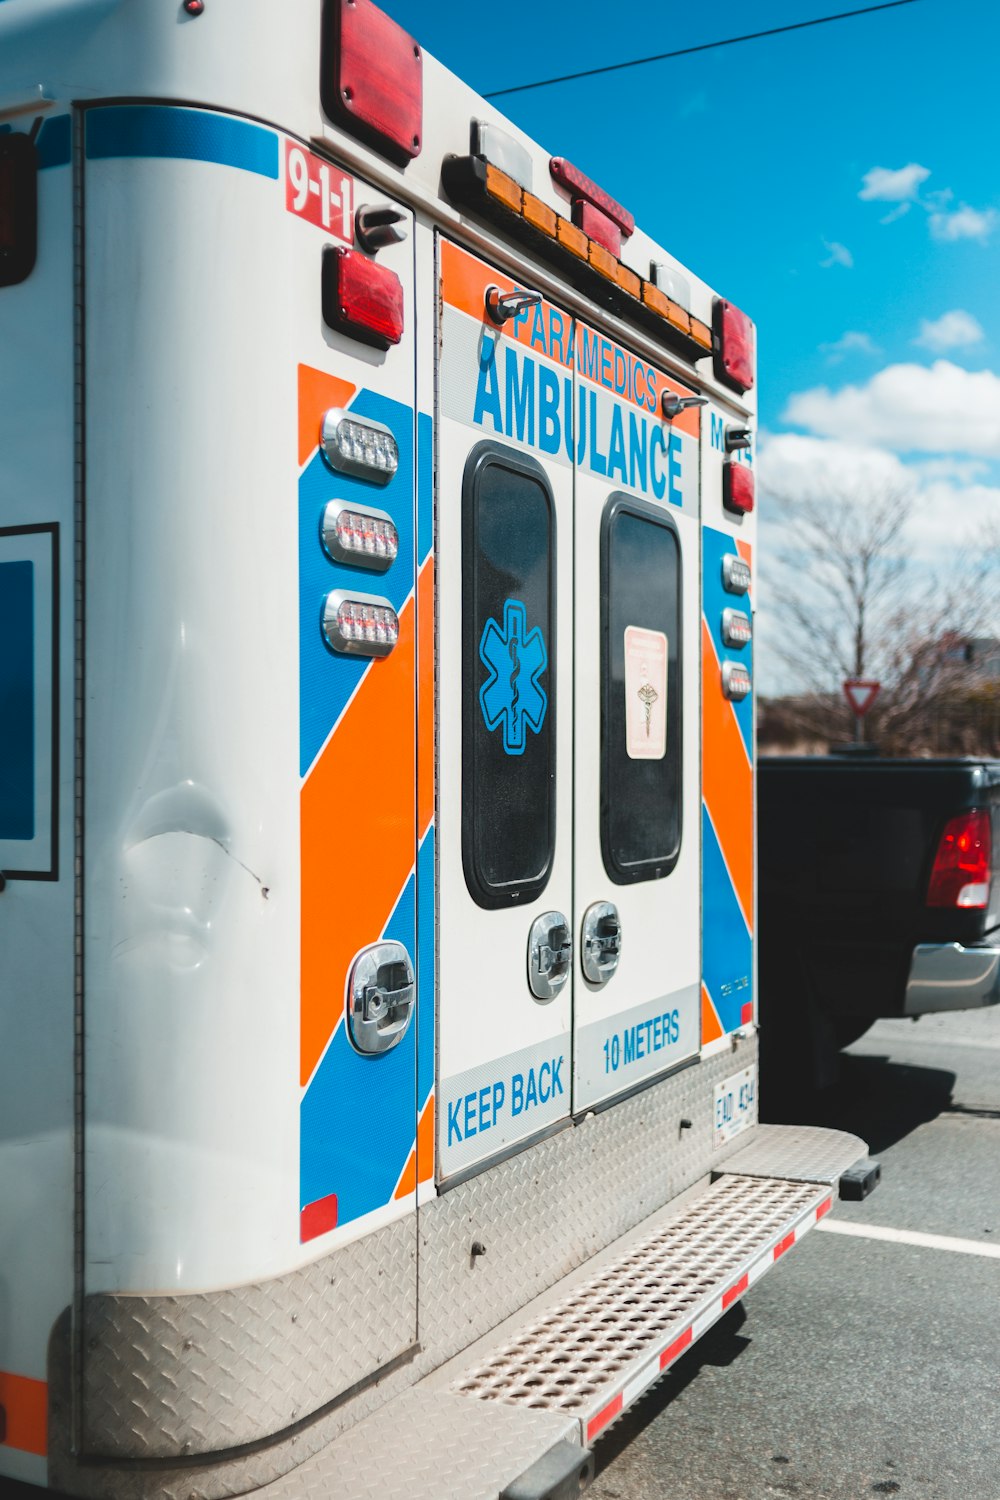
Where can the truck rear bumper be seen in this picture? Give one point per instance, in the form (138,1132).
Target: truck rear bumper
(947,976)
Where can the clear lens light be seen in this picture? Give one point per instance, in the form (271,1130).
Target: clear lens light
(736,576)
(365,449)
(364,538)
(360,624)
(735,680)
(736,627)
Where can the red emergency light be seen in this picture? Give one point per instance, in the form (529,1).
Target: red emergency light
(362,298)
(732,345)
(18,208)
(597,226)
(961,873)
(737,488)
(579,186)
(371,77)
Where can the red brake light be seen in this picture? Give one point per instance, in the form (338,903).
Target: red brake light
(732,345)
(573,180)
(362,298)
(961,873)
(18,208)
(372,77)
(737,488)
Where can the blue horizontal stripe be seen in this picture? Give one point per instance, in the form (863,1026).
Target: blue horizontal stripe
(186,134)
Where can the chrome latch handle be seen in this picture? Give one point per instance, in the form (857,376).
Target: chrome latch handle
(550,955)
(381,995)
(600,942)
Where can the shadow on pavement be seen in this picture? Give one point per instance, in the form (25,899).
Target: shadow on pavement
(875,1097)
(720,1347)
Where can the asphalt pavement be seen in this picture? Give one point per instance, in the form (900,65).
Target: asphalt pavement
(858,1366)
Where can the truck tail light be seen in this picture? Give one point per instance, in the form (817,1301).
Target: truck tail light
(961,873)
(18,208)
(732,345)
(372,74)
(737,488)
(362,298)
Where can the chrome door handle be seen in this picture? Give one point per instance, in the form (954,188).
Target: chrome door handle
(381,995)
(550,955)
(600,942)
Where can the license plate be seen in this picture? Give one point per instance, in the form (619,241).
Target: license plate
(735,1105)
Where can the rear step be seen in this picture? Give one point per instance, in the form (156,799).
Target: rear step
(566,1366)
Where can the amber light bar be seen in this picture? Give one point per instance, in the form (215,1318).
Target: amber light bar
(476,183)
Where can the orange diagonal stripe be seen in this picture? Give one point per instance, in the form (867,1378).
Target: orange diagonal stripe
(423,1149)
(711,1026)
(317,393)
(727,780)
(357,819)
(25,1404)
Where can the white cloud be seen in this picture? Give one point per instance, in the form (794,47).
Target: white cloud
(849,343)
(964,224)
(908,408)
(839,255)
(953,330)
(885,185)
(895,213)
(947,512)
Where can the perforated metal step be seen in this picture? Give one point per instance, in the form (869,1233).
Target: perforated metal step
(601,1346)
(575,1358)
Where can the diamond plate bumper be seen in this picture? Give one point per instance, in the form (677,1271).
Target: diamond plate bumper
(576,1357)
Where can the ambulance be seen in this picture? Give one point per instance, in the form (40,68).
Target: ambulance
(378,1035)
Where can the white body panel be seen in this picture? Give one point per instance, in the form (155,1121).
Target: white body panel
(239,812)
(36,912)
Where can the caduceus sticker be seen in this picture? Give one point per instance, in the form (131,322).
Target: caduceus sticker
(645,693)
(512,697)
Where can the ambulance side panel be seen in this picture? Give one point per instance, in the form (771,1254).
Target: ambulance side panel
(36,805)
(250,799)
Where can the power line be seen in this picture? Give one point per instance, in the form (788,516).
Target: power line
(729,41)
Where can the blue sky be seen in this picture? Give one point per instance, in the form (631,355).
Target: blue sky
(840,183)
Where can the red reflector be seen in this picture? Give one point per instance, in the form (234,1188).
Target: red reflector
(318,1218)
(574,182)
(732,352)
(362,298)
(372,77)
(18,208)
(597,226)
(961,873)
(737,488)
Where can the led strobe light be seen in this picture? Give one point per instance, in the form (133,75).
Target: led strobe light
(736,576)
(735,680)
(365,538)
(736,627)
(352,445)
(359,624)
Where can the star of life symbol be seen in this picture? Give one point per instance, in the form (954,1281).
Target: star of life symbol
(511,696)
(647,696)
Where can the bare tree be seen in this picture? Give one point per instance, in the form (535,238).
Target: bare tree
(847,599)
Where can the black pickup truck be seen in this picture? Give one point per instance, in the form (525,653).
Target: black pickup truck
(879,890)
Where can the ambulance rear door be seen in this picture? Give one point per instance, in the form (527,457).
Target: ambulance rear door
(637,837)
(505,683)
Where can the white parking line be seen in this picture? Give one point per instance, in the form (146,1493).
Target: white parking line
(910,1237)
